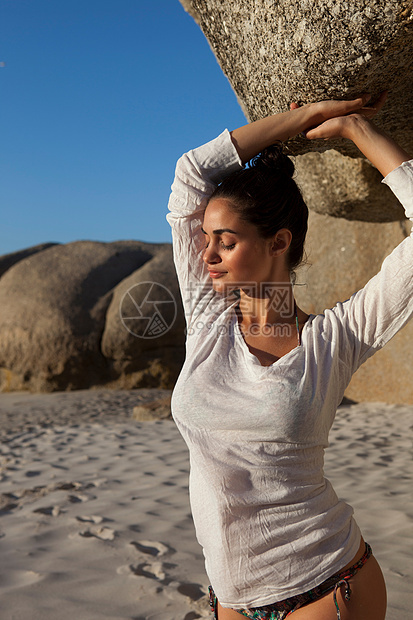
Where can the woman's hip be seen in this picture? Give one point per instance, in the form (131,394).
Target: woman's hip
(350,594)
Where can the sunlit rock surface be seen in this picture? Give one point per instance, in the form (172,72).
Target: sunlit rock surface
(274,53)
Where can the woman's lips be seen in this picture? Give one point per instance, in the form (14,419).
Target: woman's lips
(216,274)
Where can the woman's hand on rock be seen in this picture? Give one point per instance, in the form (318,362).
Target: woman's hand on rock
(314,119)
(336,119)
(377,146)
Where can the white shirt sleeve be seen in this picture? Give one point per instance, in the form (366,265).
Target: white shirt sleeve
(373,315)
(198,173)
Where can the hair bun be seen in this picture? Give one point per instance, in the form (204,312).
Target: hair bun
(273,158)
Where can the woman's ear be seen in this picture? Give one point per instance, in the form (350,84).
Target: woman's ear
(281,242)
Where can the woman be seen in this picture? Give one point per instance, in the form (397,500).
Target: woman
(262,379)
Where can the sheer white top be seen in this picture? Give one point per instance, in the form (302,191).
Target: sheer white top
(270,524)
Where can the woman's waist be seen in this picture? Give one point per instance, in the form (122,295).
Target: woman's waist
(272,489)
(223,520)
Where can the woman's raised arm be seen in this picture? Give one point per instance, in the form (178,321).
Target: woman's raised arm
(251,139)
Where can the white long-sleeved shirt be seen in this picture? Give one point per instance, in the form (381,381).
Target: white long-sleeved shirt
(270,524)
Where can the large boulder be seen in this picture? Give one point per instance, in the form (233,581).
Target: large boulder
(346,187)
(8,260)
(144,334)
(293,50)
(53,311)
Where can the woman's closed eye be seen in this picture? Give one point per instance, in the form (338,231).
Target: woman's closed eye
(224,247)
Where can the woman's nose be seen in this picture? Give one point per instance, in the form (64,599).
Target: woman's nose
(210,256)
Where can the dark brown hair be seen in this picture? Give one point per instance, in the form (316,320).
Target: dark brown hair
(264,194)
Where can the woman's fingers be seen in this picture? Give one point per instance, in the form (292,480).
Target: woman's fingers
(334,108)
(338,118)
(382,99)
(355,104)
(368,110)
(375,107)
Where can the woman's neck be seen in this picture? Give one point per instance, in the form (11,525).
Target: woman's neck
(272,304)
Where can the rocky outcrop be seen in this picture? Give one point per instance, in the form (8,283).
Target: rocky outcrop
(294,50)
(8,260)
(54,312)
(146,352)
(345,187)
(274,53)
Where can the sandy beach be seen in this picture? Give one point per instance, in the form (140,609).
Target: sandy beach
(95,520)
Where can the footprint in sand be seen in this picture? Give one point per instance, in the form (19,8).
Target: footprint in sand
(96,519)
(75,498)
(193,590)
(153,570)
(32,473)
(157,569)
(150,569)
(52,511)
(13,578)
(66,486)
(7,502)
(103,533)
(154,548)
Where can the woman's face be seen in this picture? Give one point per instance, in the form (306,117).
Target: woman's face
(235,254)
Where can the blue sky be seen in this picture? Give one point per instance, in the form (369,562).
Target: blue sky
(98,99)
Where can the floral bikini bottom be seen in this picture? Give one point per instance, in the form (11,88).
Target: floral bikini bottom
(282,609)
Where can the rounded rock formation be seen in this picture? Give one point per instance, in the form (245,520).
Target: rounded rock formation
(54,303)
